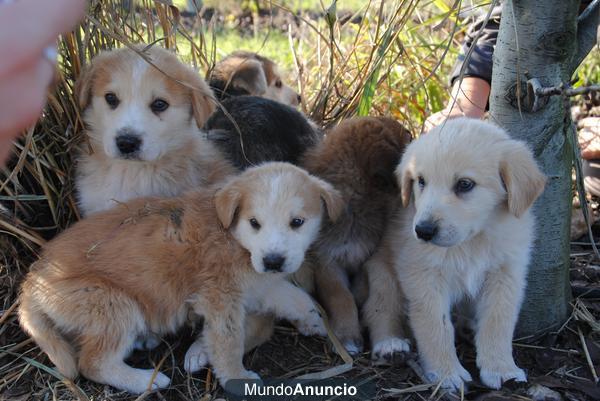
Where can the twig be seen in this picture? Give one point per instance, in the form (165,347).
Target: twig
(565,90)
(7,312)
(581,191)
(566,351)
(394,392)
(587,355)
(144,395)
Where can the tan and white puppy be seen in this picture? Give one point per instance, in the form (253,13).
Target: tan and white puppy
(465,233)
(246,73)
(142,115)
(143,266)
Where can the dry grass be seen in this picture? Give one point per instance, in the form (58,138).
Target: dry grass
(387,58)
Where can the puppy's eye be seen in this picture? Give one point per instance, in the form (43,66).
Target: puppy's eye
(254,223)
(421,182)
(296,222)
(112,100)
(464,185)
(278,83)
(159,105)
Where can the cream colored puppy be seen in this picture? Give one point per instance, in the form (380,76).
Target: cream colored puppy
(465,233)
(143,266)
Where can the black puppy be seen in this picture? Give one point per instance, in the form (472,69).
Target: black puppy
(256,130)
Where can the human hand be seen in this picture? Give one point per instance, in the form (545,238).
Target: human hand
(438,118)
(589,137)
(468,98)
(28,31)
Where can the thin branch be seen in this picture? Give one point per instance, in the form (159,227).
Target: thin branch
(587,355)
(563,90)
(587,31)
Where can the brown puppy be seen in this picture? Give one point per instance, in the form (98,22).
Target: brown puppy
(143,266)
(246,73)
(358,157)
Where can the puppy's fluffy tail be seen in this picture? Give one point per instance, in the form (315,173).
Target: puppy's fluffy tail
(41,328)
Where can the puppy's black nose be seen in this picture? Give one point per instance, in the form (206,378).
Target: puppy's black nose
(426,230)
(273,262)
(128,143)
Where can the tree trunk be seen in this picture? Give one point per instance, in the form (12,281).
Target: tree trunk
(537,39)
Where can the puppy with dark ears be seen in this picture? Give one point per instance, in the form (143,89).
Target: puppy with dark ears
(465,233)
(246,78)
(246,73)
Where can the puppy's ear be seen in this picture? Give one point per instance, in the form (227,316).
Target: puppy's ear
(83,86)
(334,203)
(227,202)
(250,76)
(405,181)
(203,102)
(522,178)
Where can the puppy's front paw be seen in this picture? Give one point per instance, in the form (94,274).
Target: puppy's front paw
(312,324)
(354,346)
(160,381)
(494,378)
(452,379)
(390,351)
(140,380)
(195,358)
(146,342)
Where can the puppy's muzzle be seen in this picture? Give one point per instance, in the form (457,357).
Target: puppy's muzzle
(273,262)
(128,142)
(426,230)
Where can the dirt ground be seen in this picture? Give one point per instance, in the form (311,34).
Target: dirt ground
(561,361)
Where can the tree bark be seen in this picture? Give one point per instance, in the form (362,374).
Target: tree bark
(587,31)
(537,39)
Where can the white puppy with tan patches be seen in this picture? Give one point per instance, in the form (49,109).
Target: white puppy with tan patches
(273,226)
(465,233)
(209,251)
(143,110)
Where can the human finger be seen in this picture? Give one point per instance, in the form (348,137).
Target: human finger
(27,27)
(22,97)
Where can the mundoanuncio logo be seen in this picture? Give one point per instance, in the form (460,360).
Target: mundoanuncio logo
(310,390)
